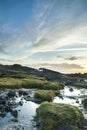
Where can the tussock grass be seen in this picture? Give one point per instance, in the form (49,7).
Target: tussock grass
(81,85)
(44,95)
(53,115)
(29,82)
(84,102)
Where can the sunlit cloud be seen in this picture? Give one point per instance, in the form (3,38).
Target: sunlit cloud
(44,29)
(64,67)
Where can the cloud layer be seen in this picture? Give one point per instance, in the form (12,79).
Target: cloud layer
(35,32)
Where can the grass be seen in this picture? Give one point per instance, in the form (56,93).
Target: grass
(44,95)
(29,81)
(53,115)
(84,102)
(81,85)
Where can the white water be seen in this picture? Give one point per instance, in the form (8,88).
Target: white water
(72,97)
(28,110)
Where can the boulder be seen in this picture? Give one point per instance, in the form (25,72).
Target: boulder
(2,101)
(11,94)
(22,92)
(14,113)
(21,103)
(71,89)
(8,108)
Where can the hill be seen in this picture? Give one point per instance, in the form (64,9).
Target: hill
(50,75)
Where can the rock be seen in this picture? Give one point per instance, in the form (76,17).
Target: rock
(14,113)
(27,98)
(2,101)
(71,89)
(2,108)
(22,92)
(36,100)
(77,101)
(11,94)
(61,96)
(8,109)
(21,103)
(14,120)
(3,114)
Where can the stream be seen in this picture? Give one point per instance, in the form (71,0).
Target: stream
(27,110)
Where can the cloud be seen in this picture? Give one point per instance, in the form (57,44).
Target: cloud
(63,67)
(48,27)
(74,58)
(6,60)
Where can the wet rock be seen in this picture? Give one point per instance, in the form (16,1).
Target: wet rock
(71,89)
(2,101)
(14,120)
(36,100)
(2,108)
(11,94)
(13,104)
(27,98)
(61,96)
(77,100)
(21,103)
(8,109)
(14,113)
(3,114)
(22,92)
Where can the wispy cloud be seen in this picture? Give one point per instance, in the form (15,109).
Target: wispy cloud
(74,58)
(48,27)
(64,67)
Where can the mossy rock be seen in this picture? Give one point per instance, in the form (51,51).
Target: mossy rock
(84,102)
(44,95)
(54,115)
(81,85)
(27,98)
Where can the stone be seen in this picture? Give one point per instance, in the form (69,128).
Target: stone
(14,113)
(11,94)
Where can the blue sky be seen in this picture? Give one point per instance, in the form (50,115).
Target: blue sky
(44,33)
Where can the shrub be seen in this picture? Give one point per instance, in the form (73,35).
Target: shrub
(29,82)
(84,102)
(57,93)
(53,86)
(53,115)
(44,95)
(81,85)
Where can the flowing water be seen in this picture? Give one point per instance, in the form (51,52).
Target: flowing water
(74,98)
(26,112)
(28,109)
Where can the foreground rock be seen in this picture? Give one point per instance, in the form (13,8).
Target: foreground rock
(56,116)
(8,103)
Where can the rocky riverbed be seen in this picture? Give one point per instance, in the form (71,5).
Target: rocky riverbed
(17,110)
(17,107)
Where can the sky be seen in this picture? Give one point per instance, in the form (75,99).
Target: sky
(44,34)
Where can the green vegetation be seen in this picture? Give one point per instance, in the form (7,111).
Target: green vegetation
(84,102)
(53,115)
(57,93)
(29,81)
(81,85)
(44,95)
